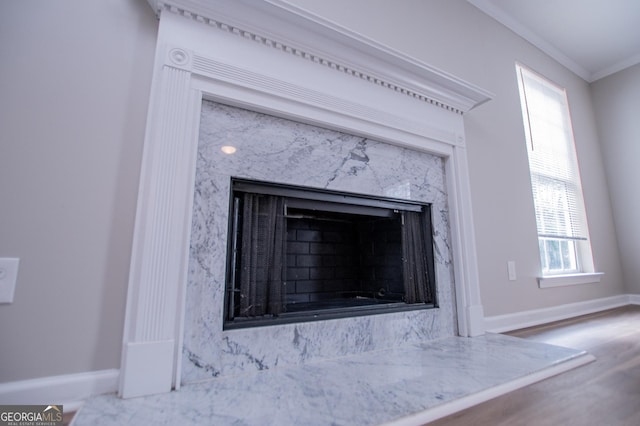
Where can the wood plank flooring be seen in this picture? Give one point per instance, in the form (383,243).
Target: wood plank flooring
(603,393)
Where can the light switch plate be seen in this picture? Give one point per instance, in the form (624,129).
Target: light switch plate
(8,278)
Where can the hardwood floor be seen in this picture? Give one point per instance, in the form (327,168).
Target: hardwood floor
(67,417)
(604,393)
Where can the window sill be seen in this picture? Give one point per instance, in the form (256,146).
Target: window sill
(569,279)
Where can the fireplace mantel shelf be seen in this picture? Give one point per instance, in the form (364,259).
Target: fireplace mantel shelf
(282,26)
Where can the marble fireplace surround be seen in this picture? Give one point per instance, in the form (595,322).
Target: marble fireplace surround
(270,57)
(288,152)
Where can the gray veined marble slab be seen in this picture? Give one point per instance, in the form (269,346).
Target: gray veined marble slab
(283,151)
(372,388)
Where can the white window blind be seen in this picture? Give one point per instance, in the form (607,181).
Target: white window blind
(555,177)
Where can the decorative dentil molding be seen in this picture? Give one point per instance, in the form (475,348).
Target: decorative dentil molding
(443,91)
(205,66)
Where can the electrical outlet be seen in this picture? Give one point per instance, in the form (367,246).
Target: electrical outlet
(511,268)
(8,278)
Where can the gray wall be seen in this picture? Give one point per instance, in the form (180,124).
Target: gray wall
(617,105)
(74,85)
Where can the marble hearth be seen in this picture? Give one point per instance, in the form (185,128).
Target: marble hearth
(411,384)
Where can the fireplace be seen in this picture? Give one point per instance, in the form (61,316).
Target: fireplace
(303,254)
(306,103)
(322,173)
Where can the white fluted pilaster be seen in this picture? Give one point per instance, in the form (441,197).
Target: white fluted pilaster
(161,239)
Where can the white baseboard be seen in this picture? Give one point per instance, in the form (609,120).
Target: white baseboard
(69,390)
(518,320)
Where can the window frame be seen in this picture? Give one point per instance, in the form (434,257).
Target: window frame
(581,267)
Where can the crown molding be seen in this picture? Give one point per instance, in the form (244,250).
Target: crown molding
(489,8)
(285,27)
(617,67)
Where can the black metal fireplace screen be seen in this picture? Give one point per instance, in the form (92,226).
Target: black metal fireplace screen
(299,254)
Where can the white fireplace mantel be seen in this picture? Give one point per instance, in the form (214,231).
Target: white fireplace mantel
(272,57)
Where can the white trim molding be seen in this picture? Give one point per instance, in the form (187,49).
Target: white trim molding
(272,57)
(524,319)
(272,23)
(496,12)
(69,390)
(550,281)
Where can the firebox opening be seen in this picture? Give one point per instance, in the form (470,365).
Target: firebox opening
(299,254)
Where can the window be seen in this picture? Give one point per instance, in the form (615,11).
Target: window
(563,236)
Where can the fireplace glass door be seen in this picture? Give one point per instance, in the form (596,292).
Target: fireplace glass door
(300,254)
